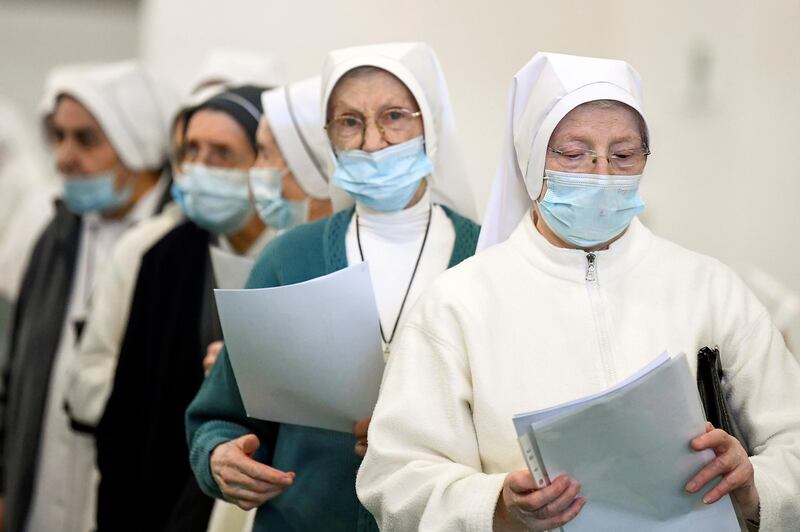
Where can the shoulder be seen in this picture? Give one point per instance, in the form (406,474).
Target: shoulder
(692,266)
(300,253)
(137,240)
(181,245)
(708,281)
(296,240)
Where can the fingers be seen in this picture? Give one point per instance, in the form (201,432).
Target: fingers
(248,444)
(564,500)
(237,479)
(716,439)
(731,463)
(360,428)
(214,348)
(361,449)
(520,481)
(243,480)
(544,509)
(740,477)
(264,473)
(566,516)
(537,502)
(719,466)
(211,356)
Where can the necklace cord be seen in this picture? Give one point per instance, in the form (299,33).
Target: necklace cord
(410,283)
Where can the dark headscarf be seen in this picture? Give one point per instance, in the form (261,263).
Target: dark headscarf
(243,104)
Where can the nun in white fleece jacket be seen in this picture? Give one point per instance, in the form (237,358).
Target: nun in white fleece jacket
(573,295)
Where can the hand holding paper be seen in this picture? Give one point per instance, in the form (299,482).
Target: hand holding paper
(524,507)
(629,448)
(733,464)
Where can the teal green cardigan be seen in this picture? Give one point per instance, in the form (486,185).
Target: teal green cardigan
(323,496)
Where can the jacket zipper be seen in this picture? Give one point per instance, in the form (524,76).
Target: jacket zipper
(602,320)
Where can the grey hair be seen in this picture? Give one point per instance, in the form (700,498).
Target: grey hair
(615,104)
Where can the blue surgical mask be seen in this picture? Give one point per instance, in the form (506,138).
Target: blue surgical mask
(587,210)
(384,180)
(95,192)
(273,209)
(216,199)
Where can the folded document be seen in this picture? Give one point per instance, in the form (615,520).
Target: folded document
(629,448)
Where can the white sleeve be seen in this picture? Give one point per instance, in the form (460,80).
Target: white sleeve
(91,375)
(764,388)
(423,469)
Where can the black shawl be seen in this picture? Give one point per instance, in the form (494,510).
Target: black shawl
(35,336)
(146,482)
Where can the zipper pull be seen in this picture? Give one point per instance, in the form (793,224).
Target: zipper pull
(591,274)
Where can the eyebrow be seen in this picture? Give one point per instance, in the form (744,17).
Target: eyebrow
(350,109)
(587,141)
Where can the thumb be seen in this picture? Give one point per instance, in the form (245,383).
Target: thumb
(249,444)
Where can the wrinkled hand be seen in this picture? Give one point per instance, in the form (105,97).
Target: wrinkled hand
(360,430)
(211,355)
(733,465)
(243,481)
(523,507)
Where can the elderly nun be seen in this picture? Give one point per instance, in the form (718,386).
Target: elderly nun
(391,129)
(229,145)
(108,125)
(92,372)
(572,295)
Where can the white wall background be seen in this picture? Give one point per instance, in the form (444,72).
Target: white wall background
(37,35)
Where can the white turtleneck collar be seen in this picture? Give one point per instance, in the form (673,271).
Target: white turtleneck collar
(399,225)
(391,244)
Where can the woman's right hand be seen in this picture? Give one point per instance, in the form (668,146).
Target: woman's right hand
(243,481)
(523,507)
(212,351)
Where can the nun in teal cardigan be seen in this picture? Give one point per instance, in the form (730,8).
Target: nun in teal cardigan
(392,137)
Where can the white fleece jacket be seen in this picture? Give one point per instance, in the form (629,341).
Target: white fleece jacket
(519,327)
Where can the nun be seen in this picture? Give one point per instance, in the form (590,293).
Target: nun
(107,124)
(571,295)
(92,372)
(392,137)
(228,192)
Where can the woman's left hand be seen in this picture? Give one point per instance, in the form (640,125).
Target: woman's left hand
(360,430)
(733,465)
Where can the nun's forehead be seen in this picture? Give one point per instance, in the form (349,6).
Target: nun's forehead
(599,110)
(370,73)
(72,99)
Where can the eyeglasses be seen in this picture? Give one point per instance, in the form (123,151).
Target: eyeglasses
(625,160)
(394,125)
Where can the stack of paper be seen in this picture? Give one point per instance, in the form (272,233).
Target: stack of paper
(629,449)
(309,353)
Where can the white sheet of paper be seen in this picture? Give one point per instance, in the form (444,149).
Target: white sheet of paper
(629,449)
(309,353)
(230,270)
